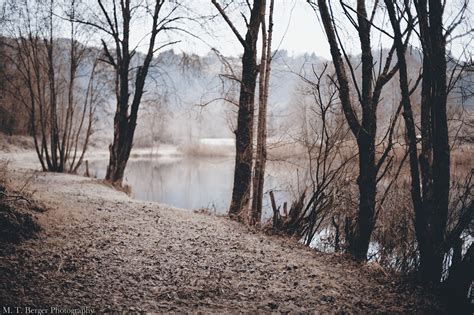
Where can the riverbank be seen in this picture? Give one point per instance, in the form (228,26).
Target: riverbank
(100,249)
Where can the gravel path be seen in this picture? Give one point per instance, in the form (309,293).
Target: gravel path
(102,250)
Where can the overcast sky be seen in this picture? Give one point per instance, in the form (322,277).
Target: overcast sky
(298,30)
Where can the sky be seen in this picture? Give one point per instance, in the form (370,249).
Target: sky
(296,30)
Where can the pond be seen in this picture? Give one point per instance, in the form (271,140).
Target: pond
(196,183)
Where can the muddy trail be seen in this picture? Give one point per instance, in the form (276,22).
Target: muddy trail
(101,250)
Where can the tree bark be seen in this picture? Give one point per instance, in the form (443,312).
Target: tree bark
(364,131)
(359,244)
(245,116)
(261,154)
(431,170)
(460,279)
(125,121)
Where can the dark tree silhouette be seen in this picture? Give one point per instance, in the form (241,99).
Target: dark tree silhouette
(264,83)
(364,128)
(245,119)
(117,17)
(430,170)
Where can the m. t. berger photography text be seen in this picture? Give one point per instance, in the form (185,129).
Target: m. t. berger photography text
(49,310)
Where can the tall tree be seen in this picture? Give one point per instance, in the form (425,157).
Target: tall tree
(264,83)
(430,170)
(245,117)
(116,19)
(364,129)
(59,128)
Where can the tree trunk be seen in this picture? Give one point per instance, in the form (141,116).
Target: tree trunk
(125,122)
(119,153)
(432,168)
(261,155)
(244,133)
(365,130)
(435,155)
(359,244)
(461,276)
(122,145)
(441,150)
(53,115)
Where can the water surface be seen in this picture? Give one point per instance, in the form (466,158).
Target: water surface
(195,183)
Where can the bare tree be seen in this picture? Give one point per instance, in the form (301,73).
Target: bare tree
(430,170)
(325,138)
(245,120)
(115,21)
(61,122)
(261,154)
(364,128)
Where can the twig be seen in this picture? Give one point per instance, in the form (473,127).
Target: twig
(15,197)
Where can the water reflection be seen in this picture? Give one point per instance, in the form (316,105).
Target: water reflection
(194,183)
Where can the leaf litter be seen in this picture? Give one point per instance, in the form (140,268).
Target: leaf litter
(100,249)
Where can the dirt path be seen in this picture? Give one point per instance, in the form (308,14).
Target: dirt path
(102,250)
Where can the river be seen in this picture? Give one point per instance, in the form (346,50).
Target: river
(196,183)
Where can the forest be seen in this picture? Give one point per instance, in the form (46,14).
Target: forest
(196,156)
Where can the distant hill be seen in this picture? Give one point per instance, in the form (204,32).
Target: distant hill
(184,94)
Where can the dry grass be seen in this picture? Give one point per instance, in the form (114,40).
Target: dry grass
(3,174)
(275,151)
(17,211)
(462,160)
(15,143)
(202,150)
(127,189)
